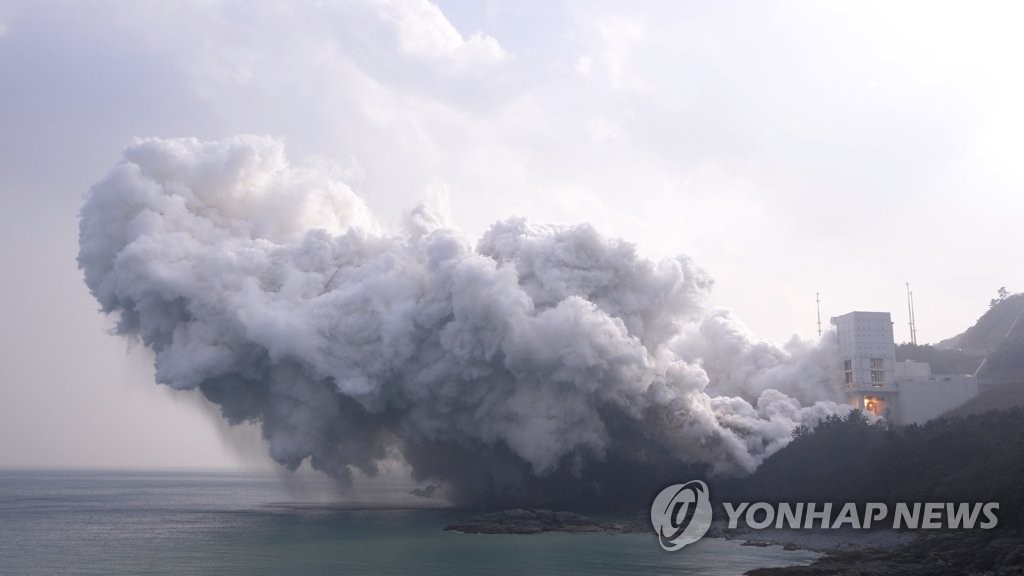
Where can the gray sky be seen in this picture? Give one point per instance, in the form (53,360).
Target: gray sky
(788,147)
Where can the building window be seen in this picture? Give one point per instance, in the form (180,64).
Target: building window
(878,377)
(849,378)
(847,365)
(877,364)
(848,372)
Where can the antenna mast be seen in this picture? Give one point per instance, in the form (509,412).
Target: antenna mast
(910,311)
(817,297)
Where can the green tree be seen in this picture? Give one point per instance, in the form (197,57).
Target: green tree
(1002,294)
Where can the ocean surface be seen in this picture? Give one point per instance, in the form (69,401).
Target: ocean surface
(114,523)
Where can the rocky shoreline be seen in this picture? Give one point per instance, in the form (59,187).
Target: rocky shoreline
(816,540)
(845,553)
(536,521)
(930,554)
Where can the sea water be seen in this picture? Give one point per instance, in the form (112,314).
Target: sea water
(114,523)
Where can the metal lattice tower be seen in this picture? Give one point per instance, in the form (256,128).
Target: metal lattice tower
(817,297)
(910,312)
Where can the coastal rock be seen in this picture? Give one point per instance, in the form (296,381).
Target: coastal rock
(535,521)
(939,554)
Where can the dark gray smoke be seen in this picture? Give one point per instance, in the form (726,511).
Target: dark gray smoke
(545,365)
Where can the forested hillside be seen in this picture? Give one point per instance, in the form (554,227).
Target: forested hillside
(975,459)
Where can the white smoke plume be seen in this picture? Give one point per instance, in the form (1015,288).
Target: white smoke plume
(546,363)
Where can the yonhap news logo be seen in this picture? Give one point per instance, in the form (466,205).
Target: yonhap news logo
(681,514)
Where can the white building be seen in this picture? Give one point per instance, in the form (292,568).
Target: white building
(868,356)
(872,380)
(923,396)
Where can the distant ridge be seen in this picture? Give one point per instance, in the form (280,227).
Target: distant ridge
(998,339)
(991,329)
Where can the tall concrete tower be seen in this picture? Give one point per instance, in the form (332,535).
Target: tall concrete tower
(868,355)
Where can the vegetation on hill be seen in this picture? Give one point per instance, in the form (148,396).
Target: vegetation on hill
(1006,362)
(975,459)
(942,360)
(991,328)
(998,334)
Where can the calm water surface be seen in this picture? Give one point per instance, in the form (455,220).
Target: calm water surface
(108,523)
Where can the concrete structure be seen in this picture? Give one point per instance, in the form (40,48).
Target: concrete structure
(922,400)
(867,354)
(913,370)
(871,379)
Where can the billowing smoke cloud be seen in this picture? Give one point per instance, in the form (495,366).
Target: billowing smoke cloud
(545,364)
